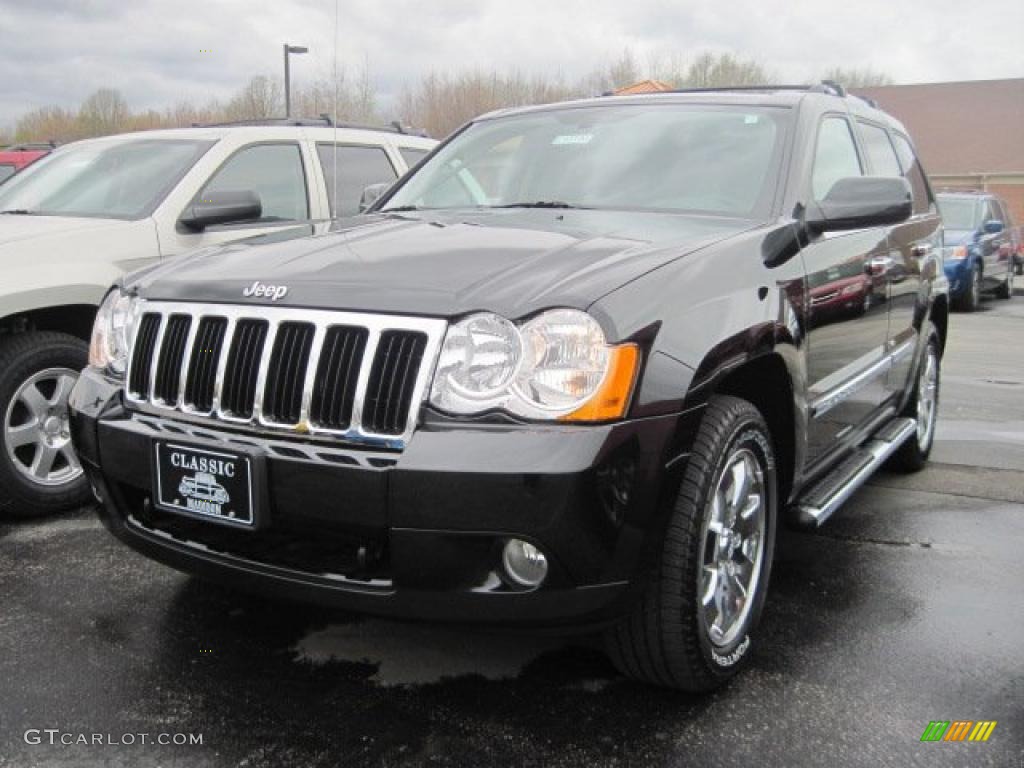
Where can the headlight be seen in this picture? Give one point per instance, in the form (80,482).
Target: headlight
(111,333)
(557,365)
(954,253)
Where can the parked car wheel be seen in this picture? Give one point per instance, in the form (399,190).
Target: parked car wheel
(692,625)
(1005,291)
(923,407)
(39,472)
(971,299)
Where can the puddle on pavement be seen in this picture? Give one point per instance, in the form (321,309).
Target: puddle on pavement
(409,654)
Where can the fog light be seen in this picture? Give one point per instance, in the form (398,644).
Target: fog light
(524,563)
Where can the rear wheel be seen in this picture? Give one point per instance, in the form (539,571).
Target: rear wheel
(923,408)
(693,624)
(39,472)
(1005,291)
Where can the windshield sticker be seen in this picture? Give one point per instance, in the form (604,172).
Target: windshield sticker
(573,138)
(751,119)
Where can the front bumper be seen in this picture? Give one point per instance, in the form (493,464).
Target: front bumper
(416,534)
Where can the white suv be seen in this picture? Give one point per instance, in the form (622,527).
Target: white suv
(74,221)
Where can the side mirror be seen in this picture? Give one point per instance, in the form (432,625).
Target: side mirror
(993,227)
(371,195)
(222,207)
(859,202)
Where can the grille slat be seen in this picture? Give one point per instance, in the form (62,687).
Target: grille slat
(142,356)
(168,369)
(282,398)
(334,387)
(309,371)
(399,354)
(202,370)
(239,396)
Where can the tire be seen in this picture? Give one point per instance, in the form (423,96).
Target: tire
(47,363)
(1005,291)
(667,639)
(914,453)
(971,299)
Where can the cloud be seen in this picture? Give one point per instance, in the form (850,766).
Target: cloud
(158,52)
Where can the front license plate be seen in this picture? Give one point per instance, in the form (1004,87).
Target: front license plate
(212,484)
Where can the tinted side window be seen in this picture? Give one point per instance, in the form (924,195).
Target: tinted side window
(835,156)
(272,171)
(358,168)
(987,212)
(879,150)
(913,173)
(412,155)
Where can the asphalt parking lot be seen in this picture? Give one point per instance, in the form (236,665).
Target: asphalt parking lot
(908,607)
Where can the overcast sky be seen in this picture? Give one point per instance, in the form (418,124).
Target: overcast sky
(158,52)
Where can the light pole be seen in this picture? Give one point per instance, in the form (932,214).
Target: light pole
(287,76)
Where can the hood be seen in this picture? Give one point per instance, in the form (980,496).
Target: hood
(15,228)
(512,262)
(957,236)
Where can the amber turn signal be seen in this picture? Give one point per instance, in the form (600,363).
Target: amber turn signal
(612,399)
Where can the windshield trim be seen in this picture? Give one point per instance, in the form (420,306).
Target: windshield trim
(203,146)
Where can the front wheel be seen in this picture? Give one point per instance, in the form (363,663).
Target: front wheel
(39,472)
(971,299)
(693,624)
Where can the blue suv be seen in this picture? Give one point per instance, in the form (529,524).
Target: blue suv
(977,247)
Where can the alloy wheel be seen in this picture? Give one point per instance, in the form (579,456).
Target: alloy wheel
(733,539)
(36,430)
(927,398)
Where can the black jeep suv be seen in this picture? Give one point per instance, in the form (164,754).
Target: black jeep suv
(574,370)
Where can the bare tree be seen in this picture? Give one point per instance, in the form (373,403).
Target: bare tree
(261,97)
(103,112)
(440,103)
(857,78)
(709,70)
(356,98)
(48,124)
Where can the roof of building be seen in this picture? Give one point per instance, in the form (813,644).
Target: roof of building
(644,86)
(962,127)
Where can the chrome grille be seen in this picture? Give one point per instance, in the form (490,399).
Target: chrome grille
(358,376)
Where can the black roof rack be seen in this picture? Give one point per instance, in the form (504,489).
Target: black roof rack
(32,146)
(324,121)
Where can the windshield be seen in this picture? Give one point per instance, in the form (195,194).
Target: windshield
(661,157)
(957,212)
(123,179)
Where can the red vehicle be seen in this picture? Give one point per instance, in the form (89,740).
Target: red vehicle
(13,159)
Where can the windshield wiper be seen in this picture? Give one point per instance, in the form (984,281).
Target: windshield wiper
(401,209)
(539,204)
(18,212)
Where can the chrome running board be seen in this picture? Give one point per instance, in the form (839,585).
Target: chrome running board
(829,493)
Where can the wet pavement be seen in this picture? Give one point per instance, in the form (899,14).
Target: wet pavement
(907,607)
